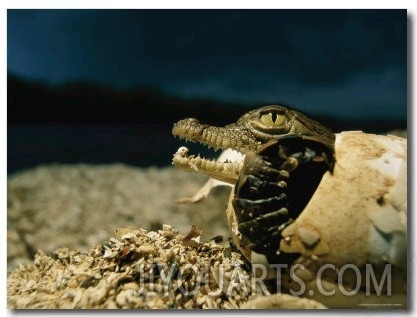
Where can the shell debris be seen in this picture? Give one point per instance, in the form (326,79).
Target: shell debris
(308,236)
(138,269)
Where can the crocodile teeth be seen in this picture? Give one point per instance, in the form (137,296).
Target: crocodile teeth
(226,168)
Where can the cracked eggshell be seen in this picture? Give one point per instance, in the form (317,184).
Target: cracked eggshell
(358,214)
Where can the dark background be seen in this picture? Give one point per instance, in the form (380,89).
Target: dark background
(103,86)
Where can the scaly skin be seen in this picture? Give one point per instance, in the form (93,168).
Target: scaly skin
(285,157)
(251,131)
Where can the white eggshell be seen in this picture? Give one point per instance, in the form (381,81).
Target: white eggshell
(359,211)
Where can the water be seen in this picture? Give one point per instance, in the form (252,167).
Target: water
(29,146)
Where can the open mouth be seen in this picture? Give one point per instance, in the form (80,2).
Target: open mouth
(226,168)
(228,165)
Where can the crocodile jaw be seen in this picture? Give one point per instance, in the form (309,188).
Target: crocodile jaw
(234,139)
(225,169)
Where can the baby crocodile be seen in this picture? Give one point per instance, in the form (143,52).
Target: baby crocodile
(285,156)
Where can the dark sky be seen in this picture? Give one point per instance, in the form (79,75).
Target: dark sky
(349,63)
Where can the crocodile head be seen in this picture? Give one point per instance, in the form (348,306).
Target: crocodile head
(249,134)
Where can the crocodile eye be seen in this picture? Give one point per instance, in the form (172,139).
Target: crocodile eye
(272,119)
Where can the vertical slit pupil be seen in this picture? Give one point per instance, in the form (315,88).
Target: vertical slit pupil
(274,117)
